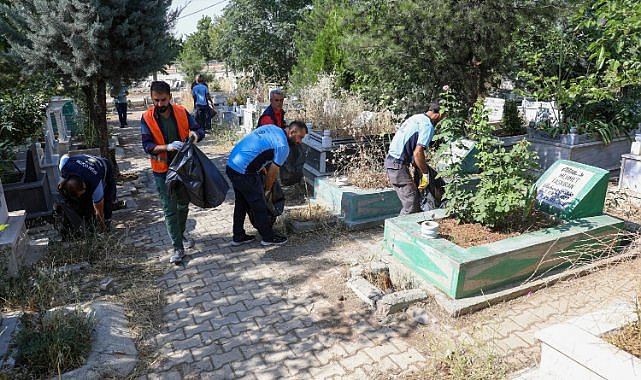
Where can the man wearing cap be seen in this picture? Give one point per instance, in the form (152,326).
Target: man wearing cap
(408,147)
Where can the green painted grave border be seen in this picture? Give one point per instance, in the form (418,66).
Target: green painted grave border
(463,272)
(353,205)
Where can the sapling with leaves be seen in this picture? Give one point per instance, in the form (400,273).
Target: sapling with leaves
(505,176)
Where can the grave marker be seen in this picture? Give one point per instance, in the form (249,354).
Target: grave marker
(571,190)
(495,107)
(463,151)
(545,110)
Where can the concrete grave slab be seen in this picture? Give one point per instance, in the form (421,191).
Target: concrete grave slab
(594,153)
(4,212)
(571,190)
(575,349)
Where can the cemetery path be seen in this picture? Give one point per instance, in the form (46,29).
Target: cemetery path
(286,312)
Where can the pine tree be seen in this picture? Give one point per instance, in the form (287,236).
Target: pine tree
(95,43)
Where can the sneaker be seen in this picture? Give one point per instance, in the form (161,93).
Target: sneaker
(245,239)
(188,243)
(177,257)
(276,240)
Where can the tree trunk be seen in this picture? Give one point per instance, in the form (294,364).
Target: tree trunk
(97,107)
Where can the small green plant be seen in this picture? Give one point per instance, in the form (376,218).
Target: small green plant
(47,345)
(513,123)
(498,200)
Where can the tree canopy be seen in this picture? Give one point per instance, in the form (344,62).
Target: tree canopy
(95,42)
(258,36)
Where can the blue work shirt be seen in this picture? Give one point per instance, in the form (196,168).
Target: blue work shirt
(264,145)
(416,130)
(90,169)
(200,91)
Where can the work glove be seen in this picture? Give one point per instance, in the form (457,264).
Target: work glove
(425,180)
(193,136)
(176,145)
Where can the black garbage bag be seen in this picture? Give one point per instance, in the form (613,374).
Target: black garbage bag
(192,172)
(432,196)
(275,203)
(291,172)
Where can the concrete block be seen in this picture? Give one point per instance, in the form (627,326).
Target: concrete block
(399,301)
(575,350)
(365,291)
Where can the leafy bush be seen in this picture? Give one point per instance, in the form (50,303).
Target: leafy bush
(498,200)
(21,116)
(52,344)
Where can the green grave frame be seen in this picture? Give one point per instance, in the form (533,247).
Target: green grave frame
(571,191)
(463,272)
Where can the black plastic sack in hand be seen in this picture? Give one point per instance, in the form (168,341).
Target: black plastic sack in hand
(191,170)
(291,172)
(432,195)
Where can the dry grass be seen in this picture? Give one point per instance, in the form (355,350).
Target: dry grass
(313,213)
(345,114)
(628,338)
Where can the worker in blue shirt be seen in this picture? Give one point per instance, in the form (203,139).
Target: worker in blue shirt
(87,179)
(202,103)
(408,148)
(265,148)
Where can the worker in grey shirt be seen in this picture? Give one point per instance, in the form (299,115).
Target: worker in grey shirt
(408,148)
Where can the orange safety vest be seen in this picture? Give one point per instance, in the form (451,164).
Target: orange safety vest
(160,161)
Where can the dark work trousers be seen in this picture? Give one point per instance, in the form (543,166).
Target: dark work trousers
(203,116)
(122,114)
(250,197)
(110,189)
(399,175)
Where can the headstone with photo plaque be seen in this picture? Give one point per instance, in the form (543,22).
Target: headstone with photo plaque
(571,190)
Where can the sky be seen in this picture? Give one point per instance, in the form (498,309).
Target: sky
(194,11)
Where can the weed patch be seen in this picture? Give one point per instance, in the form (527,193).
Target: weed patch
(52,344)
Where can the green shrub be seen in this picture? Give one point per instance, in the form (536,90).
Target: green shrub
(512,124)
(21,116)
(498,200)
(47,345)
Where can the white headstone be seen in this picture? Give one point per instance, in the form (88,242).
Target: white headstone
(4,213)
(495,107)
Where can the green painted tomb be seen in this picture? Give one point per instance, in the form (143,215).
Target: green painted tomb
(572,191)
(355,206)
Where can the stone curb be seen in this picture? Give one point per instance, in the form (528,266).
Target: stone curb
(385,304)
